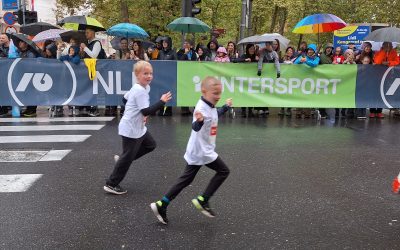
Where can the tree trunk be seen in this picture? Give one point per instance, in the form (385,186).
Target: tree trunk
(284,13)
(274,17)
(124,11)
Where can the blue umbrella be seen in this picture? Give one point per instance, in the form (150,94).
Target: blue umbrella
(127,30)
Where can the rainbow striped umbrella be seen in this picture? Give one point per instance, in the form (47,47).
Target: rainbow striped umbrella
(319,23)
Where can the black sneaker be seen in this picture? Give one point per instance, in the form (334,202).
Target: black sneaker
(114,190)
(203,206)
(29,113)
(160,211)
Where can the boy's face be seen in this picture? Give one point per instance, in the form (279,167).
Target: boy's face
(213,93)
(145,76)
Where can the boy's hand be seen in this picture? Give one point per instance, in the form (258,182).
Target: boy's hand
(199,116)
(229,102)
(166,97)
(145,119)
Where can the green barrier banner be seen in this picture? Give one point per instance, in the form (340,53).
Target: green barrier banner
(326,86)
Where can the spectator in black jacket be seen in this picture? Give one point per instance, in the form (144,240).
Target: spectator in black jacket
(187,53)
(167,53)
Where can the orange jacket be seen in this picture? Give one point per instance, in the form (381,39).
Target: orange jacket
(390,57)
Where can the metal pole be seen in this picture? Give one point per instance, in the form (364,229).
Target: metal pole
(243,24)
(184,13)
(23,11)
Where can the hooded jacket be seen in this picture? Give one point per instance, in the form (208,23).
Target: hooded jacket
(326,59)
(310,61)
(75,59)
(225,58)
(213,53)
(391,57)
(167,53)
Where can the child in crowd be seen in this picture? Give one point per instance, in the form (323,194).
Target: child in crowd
(338,58)
(72,56)
(222,55)
(200,151)
(136,140)
(349,57)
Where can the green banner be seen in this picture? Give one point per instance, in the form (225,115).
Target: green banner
(326,86)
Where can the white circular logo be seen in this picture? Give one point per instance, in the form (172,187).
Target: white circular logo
(38,84)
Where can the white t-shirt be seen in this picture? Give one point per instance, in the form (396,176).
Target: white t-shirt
(132,123)
(200,149)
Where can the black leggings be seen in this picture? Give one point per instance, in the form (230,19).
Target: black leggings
(222,172)
(132,149)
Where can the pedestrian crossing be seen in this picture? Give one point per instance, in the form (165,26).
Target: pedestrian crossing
(32,133)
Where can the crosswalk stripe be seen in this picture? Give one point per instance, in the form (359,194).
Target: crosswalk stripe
(17,182)
(55,155)
(58,119)
(32,155)
(49,128)
(43,138)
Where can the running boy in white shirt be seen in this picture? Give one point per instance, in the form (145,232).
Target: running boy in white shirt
(136,140)
(200,151)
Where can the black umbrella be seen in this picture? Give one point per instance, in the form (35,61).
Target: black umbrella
(78,35)
(31,45)
(81,23)
(35,28)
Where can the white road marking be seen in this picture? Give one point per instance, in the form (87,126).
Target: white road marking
(43,138)
(58,119)
(49,128)
(17,182)
(21,156)
(32,155)
(55,155)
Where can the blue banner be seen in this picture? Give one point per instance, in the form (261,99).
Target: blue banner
(10,5)
(52,82)
(350,34)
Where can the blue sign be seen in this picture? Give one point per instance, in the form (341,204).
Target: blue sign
(9,18)
(10,4)
(350,34)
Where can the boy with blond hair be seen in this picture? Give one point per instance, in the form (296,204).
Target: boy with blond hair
(200,151)
(136,140)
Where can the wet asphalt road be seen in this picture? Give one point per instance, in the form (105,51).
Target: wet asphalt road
(294,184)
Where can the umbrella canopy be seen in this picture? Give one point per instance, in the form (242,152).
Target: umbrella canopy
(81,23)
(391,34)
(188,25)
(35,28)
(319,23)
(116,40)
(128,30)
(267,37)
(77,35)
(32,46)
(51,34)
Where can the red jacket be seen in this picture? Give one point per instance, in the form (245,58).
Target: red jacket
(390,57)
(335,59)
